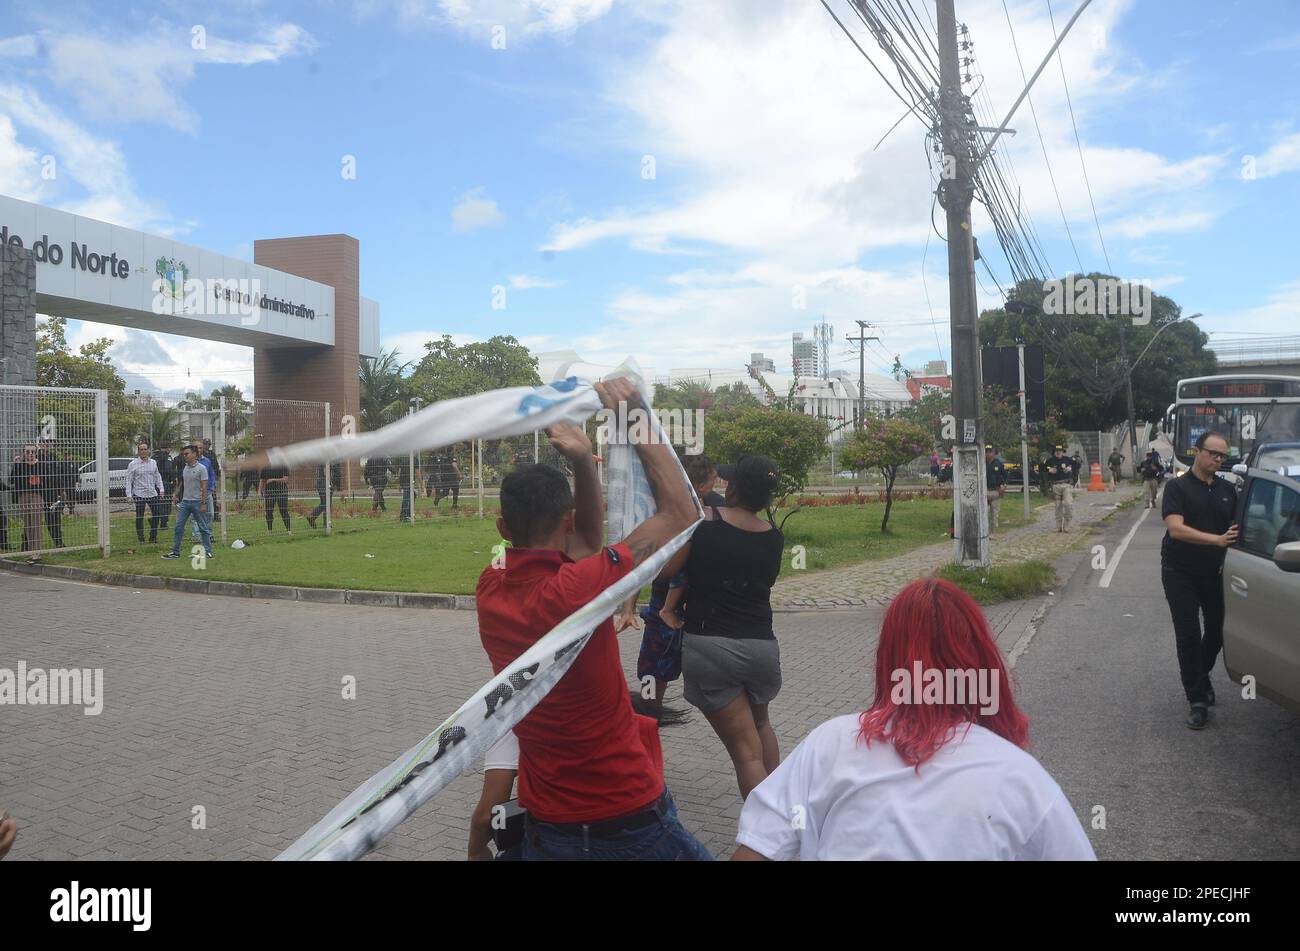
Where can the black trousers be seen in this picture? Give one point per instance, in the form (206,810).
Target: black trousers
(1191,596)
(378,504)
(277,498)
(155,516)
(320,494)
(54,524)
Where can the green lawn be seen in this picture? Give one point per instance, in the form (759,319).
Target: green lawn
(1002,582)
(445,553)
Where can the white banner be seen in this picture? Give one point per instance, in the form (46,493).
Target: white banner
(377,806)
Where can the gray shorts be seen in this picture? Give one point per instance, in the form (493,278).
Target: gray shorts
(716,669)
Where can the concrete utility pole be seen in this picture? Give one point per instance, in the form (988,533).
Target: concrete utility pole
(1128,396)
(956,189)
(861,340)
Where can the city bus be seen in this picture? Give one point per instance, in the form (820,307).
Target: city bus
(1248,409)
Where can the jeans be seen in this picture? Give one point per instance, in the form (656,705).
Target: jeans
(154,517)
(1193,594)
(407,494)
(187,508)
(662,841)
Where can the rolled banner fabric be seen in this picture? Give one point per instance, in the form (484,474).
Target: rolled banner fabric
(377,806)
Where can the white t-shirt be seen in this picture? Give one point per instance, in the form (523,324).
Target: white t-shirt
(503,754)
(979,797)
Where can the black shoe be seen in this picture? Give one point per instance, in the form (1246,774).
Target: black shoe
(1210,697)
(1198,717)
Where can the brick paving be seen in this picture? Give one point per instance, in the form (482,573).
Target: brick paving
(874,582)
(236,705)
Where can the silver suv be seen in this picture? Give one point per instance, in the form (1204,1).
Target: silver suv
(1261,578)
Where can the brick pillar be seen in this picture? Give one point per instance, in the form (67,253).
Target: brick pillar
(315,373)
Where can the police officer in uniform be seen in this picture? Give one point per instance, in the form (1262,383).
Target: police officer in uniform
(995,474)
(1115,461)
(1198,514)
(1152,470)
(1059,474)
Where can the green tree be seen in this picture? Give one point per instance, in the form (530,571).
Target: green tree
(794,441)
(89,368)
(237,408)
(164,427)
(1084,373)
(383,389)
(928,413)
(449,370)
(885,444)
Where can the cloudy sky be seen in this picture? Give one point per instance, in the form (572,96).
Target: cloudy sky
(671,179)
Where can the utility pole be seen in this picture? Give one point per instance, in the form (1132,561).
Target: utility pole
(861,340)
(1128,395)
(956,189)
(1024,432)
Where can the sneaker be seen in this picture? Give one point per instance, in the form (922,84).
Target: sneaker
(1198,717)
(171,554)
(208,554)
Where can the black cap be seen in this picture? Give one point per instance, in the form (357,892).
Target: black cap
(988,448)
(758,472)
(1058,449)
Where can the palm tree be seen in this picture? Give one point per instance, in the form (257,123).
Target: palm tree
(383,390)
(236,408)
(165,426)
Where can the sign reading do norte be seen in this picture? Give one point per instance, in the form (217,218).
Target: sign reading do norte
(298,304)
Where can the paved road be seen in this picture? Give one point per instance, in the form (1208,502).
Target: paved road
(235,705)
(1100,683)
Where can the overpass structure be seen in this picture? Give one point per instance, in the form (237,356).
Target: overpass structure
(1279,355)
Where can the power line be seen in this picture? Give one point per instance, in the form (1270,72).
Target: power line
(1041,141)
(1078,143)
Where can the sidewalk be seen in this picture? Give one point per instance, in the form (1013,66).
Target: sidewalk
(876,582)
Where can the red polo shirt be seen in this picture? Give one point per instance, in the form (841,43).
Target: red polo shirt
(583,756)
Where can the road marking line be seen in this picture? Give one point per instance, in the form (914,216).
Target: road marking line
(1119,552)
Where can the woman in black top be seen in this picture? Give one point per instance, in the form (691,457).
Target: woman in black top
(731,664)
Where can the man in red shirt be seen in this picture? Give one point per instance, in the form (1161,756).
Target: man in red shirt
(590,769)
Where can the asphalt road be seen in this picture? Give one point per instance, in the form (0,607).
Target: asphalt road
(1100,684)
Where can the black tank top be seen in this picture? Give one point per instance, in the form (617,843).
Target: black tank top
(730,573)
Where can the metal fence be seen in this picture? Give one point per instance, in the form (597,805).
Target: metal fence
(56,476)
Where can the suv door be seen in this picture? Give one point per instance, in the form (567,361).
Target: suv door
(1260,634)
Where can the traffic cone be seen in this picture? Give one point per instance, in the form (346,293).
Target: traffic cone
(1094,483)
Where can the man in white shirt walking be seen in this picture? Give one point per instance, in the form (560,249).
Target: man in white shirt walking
(144,486)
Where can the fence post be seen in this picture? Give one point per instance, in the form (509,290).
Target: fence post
(329,472)
(101,466)
(409,501)
(478,462)
(221,462)
(535,441)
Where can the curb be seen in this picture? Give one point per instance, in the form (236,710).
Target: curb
(240,589)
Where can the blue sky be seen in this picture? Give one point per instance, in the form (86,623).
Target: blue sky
(525,166)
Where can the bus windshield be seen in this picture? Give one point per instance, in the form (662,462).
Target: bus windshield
(1268,422)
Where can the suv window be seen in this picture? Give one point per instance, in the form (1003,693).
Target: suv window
(1272,517)
(118,463)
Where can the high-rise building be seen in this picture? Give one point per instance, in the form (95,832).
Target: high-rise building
(803,356)
(759,362)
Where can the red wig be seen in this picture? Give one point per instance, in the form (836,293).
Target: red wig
(935,623)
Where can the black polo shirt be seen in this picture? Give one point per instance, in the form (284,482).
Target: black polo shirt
(1206,508)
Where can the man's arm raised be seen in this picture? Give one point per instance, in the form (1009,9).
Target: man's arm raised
(673,497)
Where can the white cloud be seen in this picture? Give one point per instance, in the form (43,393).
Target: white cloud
(83,159)
(1140,226)
(140,78)
(1277,315)
(524,282)
(475,210)
(521,18)
(1283,156)
(18,46)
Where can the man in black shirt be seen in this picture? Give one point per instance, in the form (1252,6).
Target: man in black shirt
(1198,514)
(1058,472)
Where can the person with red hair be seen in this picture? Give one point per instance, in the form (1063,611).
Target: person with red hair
(934,769)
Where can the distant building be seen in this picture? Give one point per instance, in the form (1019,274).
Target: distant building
(759,362)
(803,356)
(836,399)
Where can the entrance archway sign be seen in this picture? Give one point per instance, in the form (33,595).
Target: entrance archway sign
(299,306)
